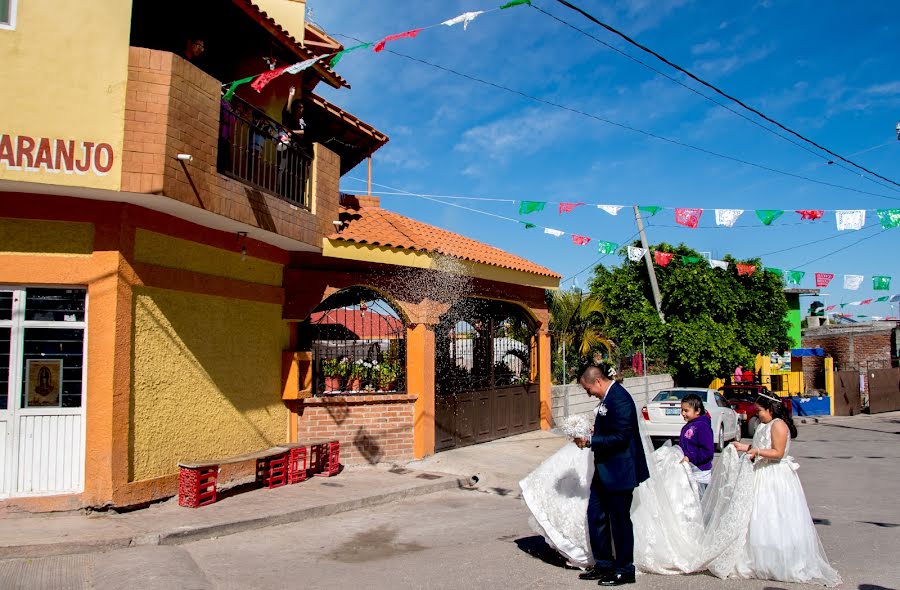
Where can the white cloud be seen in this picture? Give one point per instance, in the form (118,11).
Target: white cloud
(721,66)
(706,47)
(516,135)
(889,88)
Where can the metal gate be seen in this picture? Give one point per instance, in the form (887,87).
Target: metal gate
(846,393)
(485,374)
(884,390)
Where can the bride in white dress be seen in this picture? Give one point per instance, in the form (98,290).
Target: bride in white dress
(754,521)
(756,517)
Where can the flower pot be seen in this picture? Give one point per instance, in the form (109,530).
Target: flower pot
(388,386)
(332,384)
(354,385)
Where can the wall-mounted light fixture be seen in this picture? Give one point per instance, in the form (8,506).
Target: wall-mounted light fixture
(242,238)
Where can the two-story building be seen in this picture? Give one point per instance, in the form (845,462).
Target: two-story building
(180,277)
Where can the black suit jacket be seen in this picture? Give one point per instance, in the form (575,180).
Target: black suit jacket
(616,443)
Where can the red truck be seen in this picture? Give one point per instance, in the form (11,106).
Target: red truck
(742,398)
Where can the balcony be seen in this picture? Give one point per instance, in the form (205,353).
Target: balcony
(241,167)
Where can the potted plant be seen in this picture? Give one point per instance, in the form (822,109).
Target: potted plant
(358,373)
(388,374)
(335,371)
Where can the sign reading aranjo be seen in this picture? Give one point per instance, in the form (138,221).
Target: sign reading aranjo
(69,156)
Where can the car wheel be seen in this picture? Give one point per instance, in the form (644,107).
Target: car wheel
(720,443)
(752,425)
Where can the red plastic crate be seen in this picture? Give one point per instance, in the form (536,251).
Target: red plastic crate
(326,458)
(273,471)
(297,465)
(197,487)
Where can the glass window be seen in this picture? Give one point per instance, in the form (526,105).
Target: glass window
(6,301)
(676,396)
(721,401)
(7,11)
(52,367)
(54,305)
(4,367)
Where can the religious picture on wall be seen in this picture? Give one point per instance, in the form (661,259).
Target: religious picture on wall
(43,378)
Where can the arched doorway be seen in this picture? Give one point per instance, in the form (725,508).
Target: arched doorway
(486,378)
(358,342)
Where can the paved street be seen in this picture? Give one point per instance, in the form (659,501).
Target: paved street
(481,538)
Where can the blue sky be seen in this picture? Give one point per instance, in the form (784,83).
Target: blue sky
(830,70)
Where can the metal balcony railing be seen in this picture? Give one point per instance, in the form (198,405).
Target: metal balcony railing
(260,152)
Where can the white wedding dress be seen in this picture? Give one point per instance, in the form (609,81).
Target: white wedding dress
(754,521)
(758,523)
(665,512)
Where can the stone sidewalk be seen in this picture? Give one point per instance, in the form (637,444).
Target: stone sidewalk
(167,523)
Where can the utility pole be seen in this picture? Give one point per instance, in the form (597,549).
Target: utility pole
(657,299)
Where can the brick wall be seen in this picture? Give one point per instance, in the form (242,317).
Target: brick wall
(852,348)
(172,108)
(371,428)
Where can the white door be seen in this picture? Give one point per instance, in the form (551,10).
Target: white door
(42,415)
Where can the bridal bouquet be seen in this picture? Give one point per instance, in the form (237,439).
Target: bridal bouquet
(578,426)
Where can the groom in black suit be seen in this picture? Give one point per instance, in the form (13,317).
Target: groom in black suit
(620,467)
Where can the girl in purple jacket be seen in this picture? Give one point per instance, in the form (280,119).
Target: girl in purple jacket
(696,440)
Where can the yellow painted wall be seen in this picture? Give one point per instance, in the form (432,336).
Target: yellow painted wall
(290,14)
(46,237)
(414,259)
(155,248)
(206,379)
(65,68)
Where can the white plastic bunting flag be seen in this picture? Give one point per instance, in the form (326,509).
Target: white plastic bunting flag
(850,219)
(635,254)
(553,232)
(611,209)
(464,18)
(852,282)
(719,263)
(728,217)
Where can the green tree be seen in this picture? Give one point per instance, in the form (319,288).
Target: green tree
(715,318)
(577,323)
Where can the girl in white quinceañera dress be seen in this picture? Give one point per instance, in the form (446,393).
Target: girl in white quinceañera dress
(756,517)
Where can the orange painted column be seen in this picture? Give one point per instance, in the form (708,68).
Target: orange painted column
(544,374)
(420,382)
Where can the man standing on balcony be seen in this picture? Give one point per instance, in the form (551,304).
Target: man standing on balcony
(194,49)
(292,114)
(288,167)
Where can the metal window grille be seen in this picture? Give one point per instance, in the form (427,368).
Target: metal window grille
(258,151)
(359,344)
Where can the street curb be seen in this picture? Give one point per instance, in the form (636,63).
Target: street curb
(220,530)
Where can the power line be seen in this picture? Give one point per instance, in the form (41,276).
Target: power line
(624,125)
(719,91)
(841,249)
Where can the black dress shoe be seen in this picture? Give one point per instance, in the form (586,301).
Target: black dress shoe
(595,573)
(615,579)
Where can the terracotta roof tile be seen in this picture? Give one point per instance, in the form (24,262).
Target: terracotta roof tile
(380,227)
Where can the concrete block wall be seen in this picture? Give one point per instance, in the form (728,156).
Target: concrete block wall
(580,402)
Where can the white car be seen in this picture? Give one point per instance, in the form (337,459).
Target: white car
(662,416)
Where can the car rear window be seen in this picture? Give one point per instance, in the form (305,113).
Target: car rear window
(676,396)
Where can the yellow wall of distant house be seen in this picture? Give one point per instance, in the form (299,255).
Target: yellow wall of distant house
(27,236)
(65,67)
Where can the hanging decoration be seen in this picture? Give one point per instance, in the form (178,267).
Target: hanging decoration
(767,216)
(773,270)
(528,225)
(850,219)
(881,283)
(513,3)
(580,240)
(810,214)
(889,218)
(304,65)
(719,264)
(650,210)
(853,282)
(568,207)
(823,279)
(688,217)
(611,209)
(340,54)
(745,269)
(690,259)
(379,47)
(554,232)
(263,79)
(728,217)
(604,247)
(465,18)
(635,254)
(663,258)
(830,307)
(234,86)
(526,207)
(795,276)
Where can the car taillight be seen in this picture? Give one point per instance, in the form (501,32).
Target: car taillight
(645,414)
